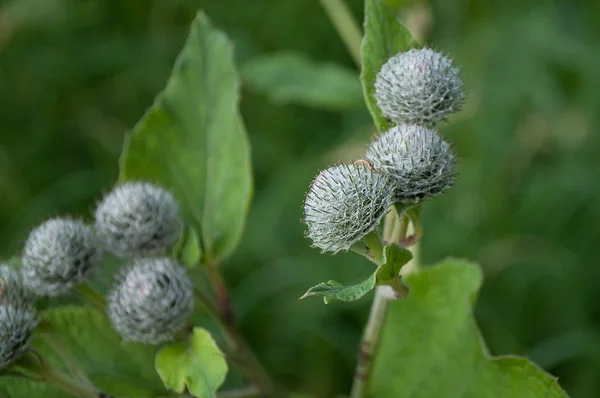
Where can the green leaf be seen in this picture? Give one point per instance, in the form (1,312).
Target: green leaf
(17,387)
(192,141)
(197,364)
(117,368)
(333,290)
(384,37)
(395,257)
(190,252)
(292,77)
(431,346)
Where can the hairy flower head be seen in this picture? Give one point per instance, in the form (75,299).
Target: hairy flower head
(151,301)
(17,323)
(344,204)
(420,85)
(11,284)
(138,219)
(419,162)
(59,254)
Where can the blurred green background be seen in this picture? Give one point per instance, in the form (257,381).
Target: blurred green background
(75,75)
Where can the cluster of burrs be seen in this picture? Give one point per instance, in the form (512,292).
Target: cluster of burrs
(405,165)
(152,297)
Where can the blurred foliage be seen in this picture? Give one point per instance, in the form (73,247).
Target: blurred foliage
(291,77)
(76,74)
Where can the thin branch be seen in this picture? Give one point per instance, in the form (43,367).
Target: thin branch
(369,343)
(240,352)
(340,16)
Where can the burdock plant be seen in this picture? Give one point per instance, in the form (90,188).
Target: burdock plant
(151,301)
(59,254)
(419,86)
(178,210)
(345,204)
(138,219)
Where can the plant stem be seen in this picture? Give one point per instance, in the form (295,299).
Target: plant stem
(377,316)
(244,356)
(401,231)
(369,342)
(92,297)
(218,284)
(389,226)
(343,21)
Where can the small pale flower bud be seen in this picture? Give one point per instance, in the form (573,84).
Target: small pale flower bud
(151,301)
(17,323)
(138,219)
(419,162)
(420,85)
(59,254)
(344,204)
(11,284)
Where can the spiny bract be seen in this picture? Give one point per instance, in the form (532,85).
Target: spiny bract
(419,162)
(419,85)
(17,322)
(152,300)
(59,254)
(344,204)
(138,219)
(11,284)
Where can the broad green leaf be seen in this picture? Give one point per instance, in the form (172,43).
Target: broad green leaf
(117,368)
(16,387)
(333,290)
(190,251)
(292,77)
(431,346)
(192,141)
(198,365)
(384,37)
(395,257)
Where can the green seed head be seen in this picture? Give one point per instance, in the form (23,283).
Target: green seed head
(18,320)
(344,204)
(59,254)
(151,301)
(419,162)
(420,86)
(11,284)
(138,219)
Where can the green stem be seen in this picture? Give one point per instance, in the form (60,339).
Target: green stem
(244,356)
(369,342)
(218,284)
(340,16)
(401,231)
(376,321)
(391,219)
(92,297)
